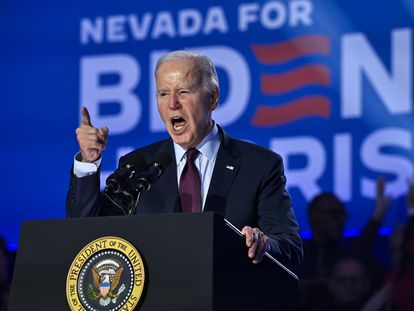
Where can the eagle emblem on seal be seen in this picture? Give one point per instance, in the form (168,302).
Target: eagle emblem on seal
(106,276)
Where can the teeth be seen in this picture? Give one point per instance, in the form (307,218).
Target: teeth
(178,123)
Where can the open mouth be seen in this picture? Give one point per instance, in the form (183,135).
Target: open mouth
(178,123)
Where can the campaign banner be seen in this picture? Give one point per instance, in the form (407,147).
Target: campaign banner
(326,84)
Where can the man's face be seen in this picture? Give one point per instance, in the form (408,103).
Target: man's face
(348,282)
(328,219)
(184,104)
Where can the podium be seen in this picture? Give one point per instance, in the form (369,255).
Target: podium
(192,262)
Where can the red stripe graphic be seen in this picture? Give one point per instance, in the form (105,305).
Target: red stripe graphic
(272,84)
(281,52)
(308,106)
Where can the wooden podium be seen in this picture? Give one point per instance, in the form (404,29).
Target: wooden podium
(192,262)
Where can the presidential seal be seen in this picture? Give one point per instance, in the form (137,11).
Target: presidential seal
(106,275)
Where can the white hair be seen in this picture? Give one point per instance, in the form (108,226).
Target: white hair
(208,71)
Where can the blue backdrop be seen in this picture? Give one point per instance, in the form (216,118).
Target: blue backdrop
(327,84)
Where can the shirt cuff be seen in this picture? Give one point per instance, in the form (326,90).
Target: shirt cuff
(82,169)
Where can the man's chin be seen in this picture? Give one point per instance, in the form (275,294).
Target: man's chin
(185,139)
(179,140)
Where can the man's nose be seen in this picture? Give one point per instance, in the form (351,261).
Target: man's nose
(174,102)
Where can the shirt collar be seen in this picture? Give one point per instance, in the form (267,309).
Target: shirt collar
(208,147)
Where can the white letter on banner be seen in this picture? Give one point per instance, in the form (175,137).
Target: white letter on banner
(343,166)
(306,179)
(189,22)
(247,15)
(300,11)
(163,25)
(155,121)
(359,58)
(215,20)
(140,31)
(273,15)
(374,159)
(116,28)
(93,94)
(92,31)
(238,74)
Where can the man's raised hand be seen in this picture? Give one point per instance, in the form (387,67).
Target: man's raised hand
(92,141)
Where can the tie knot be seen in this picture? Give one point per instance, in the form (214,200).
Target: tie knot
(192,154)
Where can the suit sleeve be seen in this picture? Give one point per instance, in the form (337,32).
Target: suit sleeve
(276,217)
(83,198)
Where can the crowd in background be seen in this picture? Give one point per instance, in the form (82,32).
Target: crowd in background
(338,273)
(344,274)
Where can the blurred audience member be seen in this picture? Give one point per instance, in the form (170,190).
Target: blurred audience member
(363,246)
(402,279)
(395,241)
(327,216)
(398,292)
(349,285)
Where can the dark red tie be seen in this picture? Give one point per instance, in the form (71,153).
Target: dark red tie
(190,185)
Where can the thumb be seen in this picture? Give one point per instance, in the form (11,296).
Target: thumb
(86,119)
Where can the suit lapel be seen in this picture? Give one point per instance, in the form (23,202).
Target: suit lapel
(225,170)
(166,188)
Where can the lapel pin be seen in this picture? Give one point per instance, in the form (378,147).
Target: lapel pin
(230,167)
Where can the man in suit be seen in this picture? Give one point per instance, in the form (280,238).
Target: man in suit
(240,180)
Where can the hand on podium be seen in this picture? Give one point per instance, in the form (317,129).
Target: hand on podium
(257,242)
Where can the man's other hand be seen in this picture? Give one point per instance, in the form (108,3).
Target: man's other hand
(257,243)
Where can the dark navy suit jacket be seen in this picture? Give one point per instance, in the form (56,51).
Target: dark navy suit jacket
(247,187)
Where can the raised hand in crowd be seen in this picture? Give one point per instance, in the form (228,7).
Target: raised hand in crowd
(382,202)
(410,197)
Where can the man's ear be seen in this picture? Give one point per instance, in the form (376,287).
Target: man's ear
(214,98)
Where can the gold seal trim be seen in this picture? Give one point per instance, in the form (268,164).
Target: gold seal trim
(100,245)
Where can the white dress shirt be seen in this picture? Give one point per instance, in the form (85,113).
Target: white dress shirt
(82,169)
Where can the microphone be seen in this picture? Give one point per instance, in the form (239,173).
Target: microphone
(126,170)
(128,182)
(156,169)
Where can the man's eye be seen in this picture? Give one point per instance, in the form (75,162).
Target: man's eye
(162,94)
